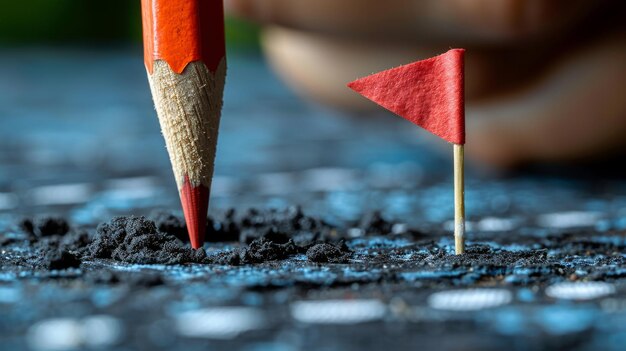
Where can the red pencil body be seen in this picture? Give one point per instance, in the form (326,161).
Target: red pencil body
(183,31)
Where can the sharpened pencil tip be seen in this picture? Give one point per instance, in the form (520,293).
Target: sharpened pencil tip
(195,201)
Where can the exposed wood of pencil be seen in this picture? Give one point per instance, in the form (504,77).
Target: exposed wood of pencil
(459,200)
(189,107)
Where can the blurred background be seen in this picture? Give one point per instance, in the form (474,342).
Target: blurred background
(544,78)
(545,88)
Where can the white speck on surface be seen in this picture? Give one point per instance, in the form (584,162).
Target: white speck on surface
(459,231)
(9,295)
(450,226)
(399,228)
(573,219)
(338,311)
(219,322)
(133,188)
(494,224)
(101,331)
(8,201)
(224,186)
(355,232)
(132,183)
(469,299)
(61,194)
(329,179)
(580,290)
(55,334)
(68,334)
(280,183)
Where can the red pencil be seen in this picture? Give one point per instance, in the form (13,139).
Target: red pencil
(184,53)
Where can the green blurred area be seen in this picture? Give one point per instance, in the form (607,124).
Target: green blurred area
(89,22)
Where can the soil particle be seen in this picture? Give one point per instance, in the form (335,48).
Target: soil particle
(263,249)
(270,235)
(142,279)
(55,244)
(259,251)
(170,224)
(223,231)
(45,226)
(484,255)
(74,241)
(226,230)
(290,222)
(375,224)
(103,277)
(277,225)
(137,240)
(59,259)
(328,253)
(27,226)
(229,258)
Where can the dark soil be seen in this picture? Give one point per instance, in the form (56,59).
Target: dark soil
(60,259)
(329,253)
(266,236)
(375,223)
(286,253)
(45,226)
(168,223)
(264,249)
(137,240)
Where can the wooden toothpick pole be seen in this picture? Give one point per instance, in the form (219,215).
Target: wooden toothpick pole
(459,200)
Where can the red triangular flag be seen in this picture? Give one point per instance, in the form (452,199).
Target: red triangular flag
(429,93)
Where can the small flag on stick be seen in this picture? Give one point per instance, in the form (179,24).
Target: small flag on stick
(431,94)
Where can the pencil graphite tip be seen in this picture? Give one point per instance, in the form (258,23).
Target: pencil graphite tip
(195,201)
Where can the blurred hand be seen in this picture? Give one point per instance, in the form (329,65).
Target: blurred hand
(545,80)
